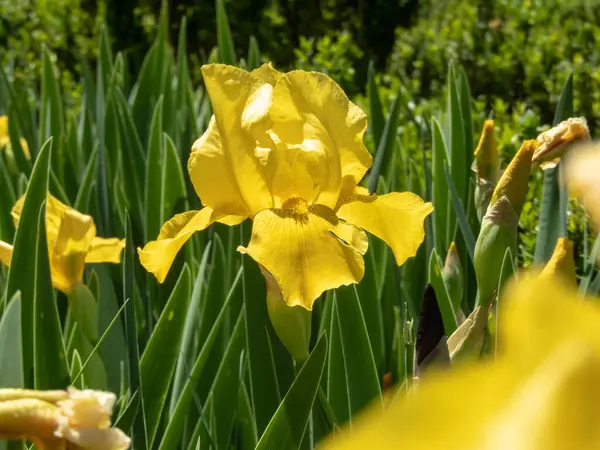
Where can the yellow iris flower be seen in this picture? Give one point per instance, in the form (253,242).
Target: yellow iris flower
(72,242)
(286,150)
(541,393)
(5,138)
(56,420)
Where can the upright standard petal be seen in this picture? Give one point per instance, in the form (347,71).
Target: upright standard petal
(307,250)
(158,256)
(212,175)
(240,103)
(311,107)
(396,218)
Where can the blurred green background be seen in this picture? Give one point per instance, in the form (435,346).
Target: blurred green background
(516,54)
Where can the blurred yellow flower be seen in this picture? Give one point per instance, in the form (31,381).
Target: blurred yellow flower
(5,138)
(555,142)
(72,242)
(541,393)
(582,176)
(286,150)
(61,419)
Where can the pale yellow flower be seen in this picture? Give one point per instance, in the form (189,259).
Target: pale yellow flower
(286,150)
(582,169)
(72,242)
(58,420)
(542,392)
(555,142)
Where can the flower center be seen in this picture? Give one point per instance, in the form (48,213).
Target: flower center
(296,206)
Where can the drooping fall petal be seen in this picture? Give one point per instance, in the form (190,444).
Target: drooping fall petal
(542,392)
(158,256)
(105,250)
(240,103)
(396,218)
(307,250)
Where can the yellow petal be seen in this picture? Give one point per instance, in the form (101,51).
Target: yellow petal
(267,73)
(105,250)
(396,218)
(541,393)
(4,138)
(5,253)
(300,248)
(581,175)
(68,254)
(309,109)
(158,256)
(211,173)
(240,103)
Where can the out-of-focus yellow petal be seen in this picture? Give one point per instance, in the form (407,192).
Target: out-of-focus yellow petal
(582,167)
(68,254)
(4,138)
(562,262)
(158,256)
(396,218)
(105,250)
(25,148)
(541,393)
(5,253)
(310,110)
(307,250)
(240,103)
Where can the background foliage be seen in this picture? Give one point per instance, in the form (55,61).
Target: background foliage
(123,105)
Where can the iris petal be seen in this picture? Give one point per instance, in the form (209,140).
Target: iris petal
(105,250)
(396,218)
(240,103)
(158,256)
(307,251)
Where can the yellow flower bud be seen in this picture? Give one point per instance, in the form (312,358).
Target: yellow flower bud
(515,179)
(487,163)
(562,262)
(555,142)
(291,323)
(498,232)
(466,342)
(452,274)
